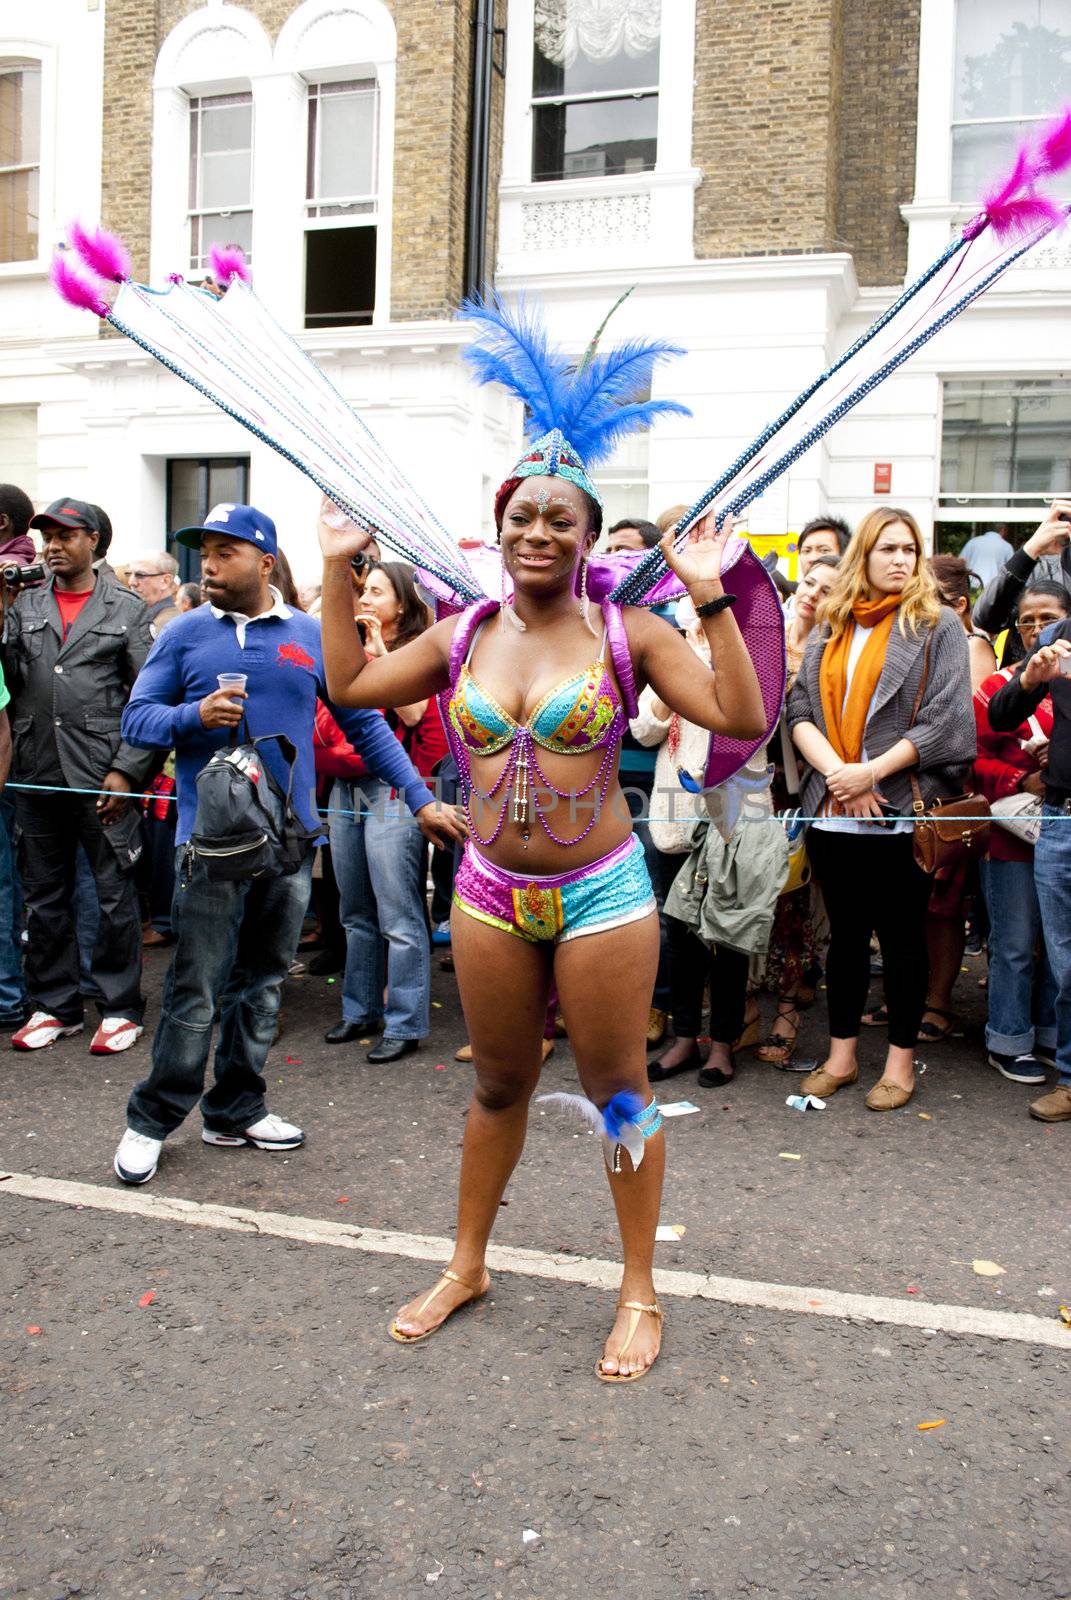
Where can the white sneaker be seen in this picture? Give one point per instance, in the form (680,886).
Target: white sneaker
(115,1034)
(41,1030)
(137,1157)
(270,1133)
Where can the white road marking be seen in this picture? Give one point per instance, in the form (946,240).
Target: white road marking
(976,1321)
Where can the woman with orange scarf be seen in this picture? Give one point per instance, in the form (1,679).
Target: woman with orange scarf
(853,720)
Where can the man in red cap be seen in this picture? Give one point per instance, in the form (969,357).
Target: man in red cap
(72,650)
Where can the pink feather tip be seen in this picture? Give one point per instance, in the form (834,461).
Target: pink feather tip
(1052,152)
(228,262)
(103,253)
(75,289)
(1017,218)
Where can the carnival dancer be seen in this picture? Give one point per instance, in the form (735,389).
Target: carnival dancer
(553,886)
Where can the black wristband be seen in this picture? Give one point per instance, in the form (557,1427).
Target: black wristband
(712,607)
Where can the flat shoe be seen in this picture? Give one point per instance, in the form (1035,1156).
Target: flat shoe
(886,1096)
(448,1277)
(823,1084)
(636,1308)
(657,1073)
(714,1078)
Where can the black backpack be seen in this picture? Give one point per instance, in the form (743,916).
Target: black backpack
(245,826)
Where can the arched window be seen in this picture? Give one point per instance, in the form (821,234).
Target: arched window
(204,135)
(20,159)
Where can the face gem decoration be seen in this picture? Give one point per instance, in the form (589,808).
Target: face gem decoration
(542,502)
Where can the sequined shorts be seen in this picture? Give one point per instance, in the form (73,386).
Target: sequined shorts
(605,894)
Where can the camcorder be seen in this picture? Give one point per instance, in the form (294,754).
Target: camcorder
(17,577)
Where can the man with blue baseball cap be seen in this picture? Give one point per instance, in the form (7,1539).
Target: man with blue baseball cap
(236,940)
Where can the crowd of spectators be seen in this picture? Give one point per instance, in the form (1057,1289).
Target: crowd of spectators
(910,682)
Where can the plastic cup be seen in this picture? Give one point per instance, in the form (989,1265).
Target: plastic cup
(232,681)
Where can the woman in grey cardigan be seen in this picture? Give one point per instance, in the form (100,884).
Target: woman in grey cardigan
(850,714)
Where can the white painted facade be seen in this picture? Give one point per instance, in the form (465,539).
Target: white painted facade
(756,329)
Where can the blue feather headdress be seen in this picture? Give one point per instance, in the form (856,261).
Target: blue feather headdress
(576,413)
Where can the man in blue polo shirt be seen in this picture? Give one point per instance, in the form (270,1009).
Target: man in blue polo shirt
(235,941)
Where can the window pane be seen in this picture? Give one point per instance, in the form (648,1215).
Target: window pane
(19,215)
(221,142)
(1013,57)
(580,46)
(1004,436)
(225,179)
(235,228)
(347,144)
(20,115)
(595,137)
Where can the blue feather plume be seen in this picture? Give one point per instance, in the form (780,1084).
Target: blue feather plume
(624,1107)
(513,349)
(595,406)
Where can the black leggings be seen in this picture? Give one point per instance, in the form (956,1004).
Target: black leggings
(873,885)
(691,962)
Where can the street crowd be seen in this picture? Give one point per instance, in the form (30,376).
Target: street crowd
(912,682)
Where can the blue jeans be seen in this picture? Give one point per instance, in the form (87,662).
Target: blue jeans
(235,943)
(12,988)
(1052,878)
(380,860)
(1022,990)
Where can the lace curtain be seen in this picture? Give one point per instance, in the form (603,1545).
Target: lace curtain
(601,28)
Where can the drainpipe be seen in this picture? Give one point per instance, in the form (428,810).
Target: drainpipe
(476,199)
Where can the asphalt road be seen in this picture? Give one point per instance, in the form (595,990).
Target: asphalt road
(252,1430)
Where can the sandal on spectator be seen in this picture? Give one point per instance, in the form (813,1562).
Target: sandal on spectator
(779,1047)
(930,1033)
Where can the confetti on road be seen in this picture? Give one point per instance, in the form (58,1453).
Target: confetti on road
(988,1269)
(343,1200)
(147,1298)
(669,1232)
(924,1116)
(33,1328)
(678,1108)
(925,1427)
(786,1155)
(1064,1314)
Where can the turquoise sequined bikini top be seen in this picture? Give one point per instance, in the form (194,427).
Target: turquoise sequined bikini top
(580,714)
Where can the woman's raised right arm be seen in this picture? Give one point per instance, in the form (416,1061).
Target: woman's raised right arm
(415,672)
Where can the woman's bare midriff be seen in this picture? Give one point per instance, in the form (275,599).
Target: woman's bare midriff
(540,855)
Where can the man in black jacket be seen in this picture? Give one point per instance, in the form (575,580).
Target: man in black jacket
(1046,554)
(1047,670)
(72,650)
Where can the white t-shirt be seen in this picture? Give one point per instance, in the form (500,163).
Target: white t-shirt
(859,824)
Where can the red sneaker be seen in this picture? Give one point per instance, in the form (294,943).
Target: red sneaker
(41,1030)
(115,1034)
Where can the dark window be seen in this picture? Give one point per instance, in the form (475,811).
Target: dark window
(194,486)
(594,90)
(340,277)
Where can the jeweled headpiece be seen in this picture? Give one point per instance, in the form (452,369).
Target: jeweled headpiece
(576,412)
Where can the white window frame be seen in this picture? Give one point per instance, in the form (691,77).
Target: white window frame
(194,212)
(17,51)
(315,205)
(663,199)
(8,66)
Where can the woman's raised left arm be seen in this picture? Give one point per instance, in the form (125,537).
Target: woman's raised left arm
(727,699)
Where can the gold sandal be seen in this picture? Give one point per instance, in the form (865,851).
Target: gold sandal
(447,1278)
(635,1307)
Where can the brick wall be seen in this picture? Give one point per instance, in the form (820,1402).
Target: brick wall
(431,135)
(876,144)
(805,121)
(765,115)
